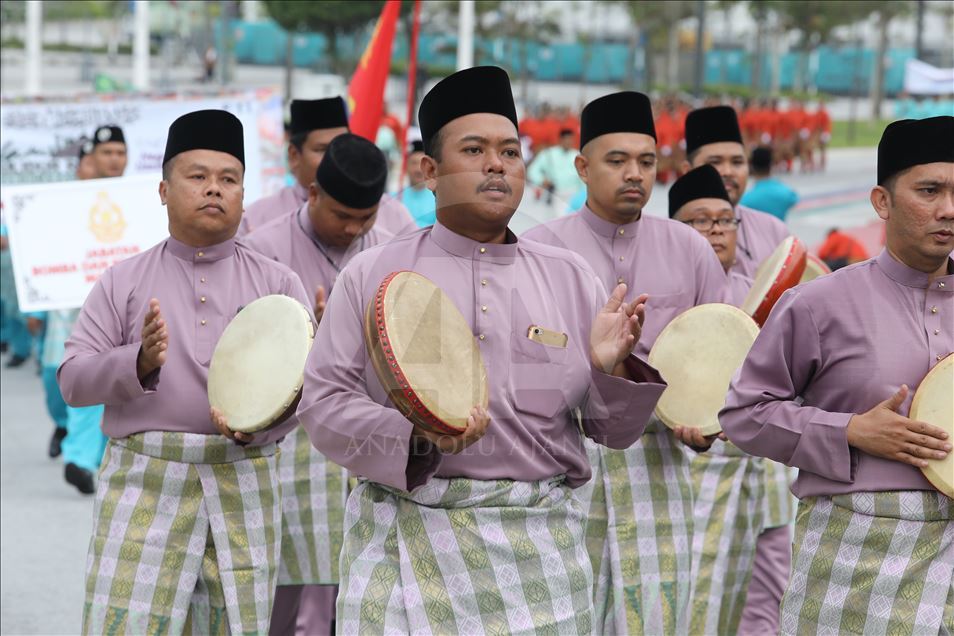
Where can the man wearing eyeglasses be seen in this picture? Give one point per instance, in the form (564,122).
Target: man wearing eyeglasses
(728,484)
(699,199)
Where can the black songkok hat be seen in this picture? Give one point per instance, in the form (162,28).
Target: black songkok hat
(626,112)
(481,89)
(106,134)
(911,142)
(415,146)
(703,182)
(711,125)
(206,130)
(317,114)
(353,171)
(85,147)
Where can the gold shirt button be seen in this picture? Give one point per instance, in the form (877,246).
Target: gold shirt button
(483,250)
(619,280)
(622,231)
(937,331)
(939,356)
(202,299)
(941,285)
(620,258)
(481,336)
(202,322)
(484,282)
(483,308)
(934,309)
(200,254)
(202,280)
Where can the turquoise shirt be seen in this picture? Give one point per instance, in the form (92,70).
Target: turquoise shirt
(421,204)
(770,195)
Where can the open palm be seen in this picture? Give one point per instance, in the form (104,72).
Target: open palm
(616,329)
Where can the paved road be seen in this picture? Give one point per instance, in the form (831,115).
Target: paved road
(45,523)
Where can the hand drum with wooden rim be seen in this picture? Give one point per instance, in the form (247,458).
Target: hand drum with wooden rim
(258,365)
(782,270)
(814,268)
(697,354)
(424,353)
(934,403)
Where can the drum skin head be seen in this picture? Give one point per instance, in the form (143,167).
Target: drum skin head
(782,270)
(258,366)
(424,353)
(814,268)
(934,403)
(697,354)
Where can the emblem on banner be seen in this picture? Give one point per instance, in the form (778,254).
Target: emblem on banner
(106,220)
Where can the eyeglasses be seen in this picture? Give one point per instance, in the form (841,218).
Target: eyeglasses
(705,224)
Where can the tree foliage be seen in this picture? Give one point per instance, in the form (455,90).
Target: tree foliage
(331,18)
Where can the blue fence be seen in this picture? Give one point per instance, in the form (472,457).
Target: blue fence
(839,70)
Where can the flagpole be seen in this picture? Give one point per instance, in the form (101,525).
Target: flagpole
(411,88)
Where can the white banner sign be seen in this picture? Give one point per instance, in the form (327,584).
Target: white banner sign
(39,141)
(63,236)
(921,78)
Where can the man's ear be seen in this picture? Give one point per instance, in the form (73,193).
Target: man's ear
(313,193)
(582,165)
(881,202)
(429,168)
(163,189)
(684,167)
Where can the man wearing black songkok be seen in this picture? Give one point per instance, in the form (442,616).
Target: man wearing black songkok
(314,123)
(637,590)
(827,388)
(187,516)
(713,136)
(477,532)
(317,242)
(109,152)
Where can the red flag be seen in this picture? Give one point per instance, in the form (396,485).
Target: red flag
(366,90)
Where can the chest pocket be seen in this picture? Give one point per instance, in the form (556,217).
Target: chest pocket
(679,301)
(545,380)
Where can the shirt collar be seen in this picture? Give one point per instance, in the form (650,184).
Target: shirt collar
(604,228)
(300,192)
(907,276)
(201,254)
(462,246)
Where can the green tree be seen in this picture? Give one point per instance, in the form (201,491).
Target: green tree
(332,18)
(657,23)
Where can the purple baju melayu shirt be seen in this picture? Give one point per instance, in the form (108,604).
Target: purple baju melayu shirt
(666,259)
(291,240)
(392,215)
(199,290)
(831,348)
(501,290)
(759,234)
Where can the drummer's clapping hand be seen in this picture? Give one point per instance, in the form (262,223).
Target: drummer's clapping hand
(320,302)
(452,444)
(221,423)
(155,341)
(616,330)
(883,432)
(694,439)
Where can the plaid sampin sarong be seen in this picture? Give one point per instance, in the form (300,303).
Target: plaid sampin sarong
(872,563)
(649,528)
(592,498)
(462,556)
(728,488)
(314,492)
(780,503)
(186,537)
